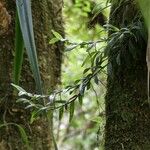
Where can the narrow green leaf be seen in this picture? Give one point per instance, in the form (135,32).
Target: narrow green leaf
(111,27)
(69,48)
(60,101)
(57,35)
(33,116)
(66,107)
(23,100)
(25,19)
(20,89)
(72,104)
(61,112)
(53,40)
(30,106)
(77,81)
(96,119)
(82,89)
(19,50)
(88,86)
(96,80)
(90,47)
(88,58)
(80,97)
(86,70)
(22,133)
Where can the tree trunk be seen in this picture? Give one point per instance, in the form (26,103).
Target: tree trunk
(127,109)
(47,15)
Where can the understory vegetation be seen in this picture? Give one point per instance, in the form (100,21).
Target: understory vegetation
(76,92)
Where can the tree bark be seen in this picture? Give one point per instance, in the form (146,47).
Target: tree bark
(127,109)
(47,15)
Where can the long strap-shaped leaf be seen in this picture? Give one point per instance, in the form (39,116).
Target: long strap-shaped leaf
(19,50)
(25,18)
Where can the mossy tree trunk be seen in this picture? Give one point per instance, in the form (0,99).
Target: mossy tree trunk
(47,15)
(127,109)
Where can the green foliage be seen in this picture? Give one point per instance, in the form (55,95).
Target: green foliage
(76,90)
(61,112)
(57,37)
(83,77)
(128,36)
(19,50)
(83,6)
(89,47)
(23,134)
(72,105)
(93,62)
(89,56)
(73,13)
(25,19)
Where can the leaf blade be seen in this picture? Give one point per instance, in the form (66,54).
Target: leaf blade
(19,50)
(25,19)
(72,106)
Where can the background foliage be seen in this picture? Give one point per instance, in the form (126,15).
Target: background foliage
(86,130)
(79,104)
(83,73)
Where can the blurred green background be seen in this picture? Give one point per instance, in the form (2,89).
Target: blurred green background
(86,131)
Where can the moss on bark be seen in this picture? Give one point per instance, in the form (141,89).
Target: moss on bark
(127,109)
(47,15)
